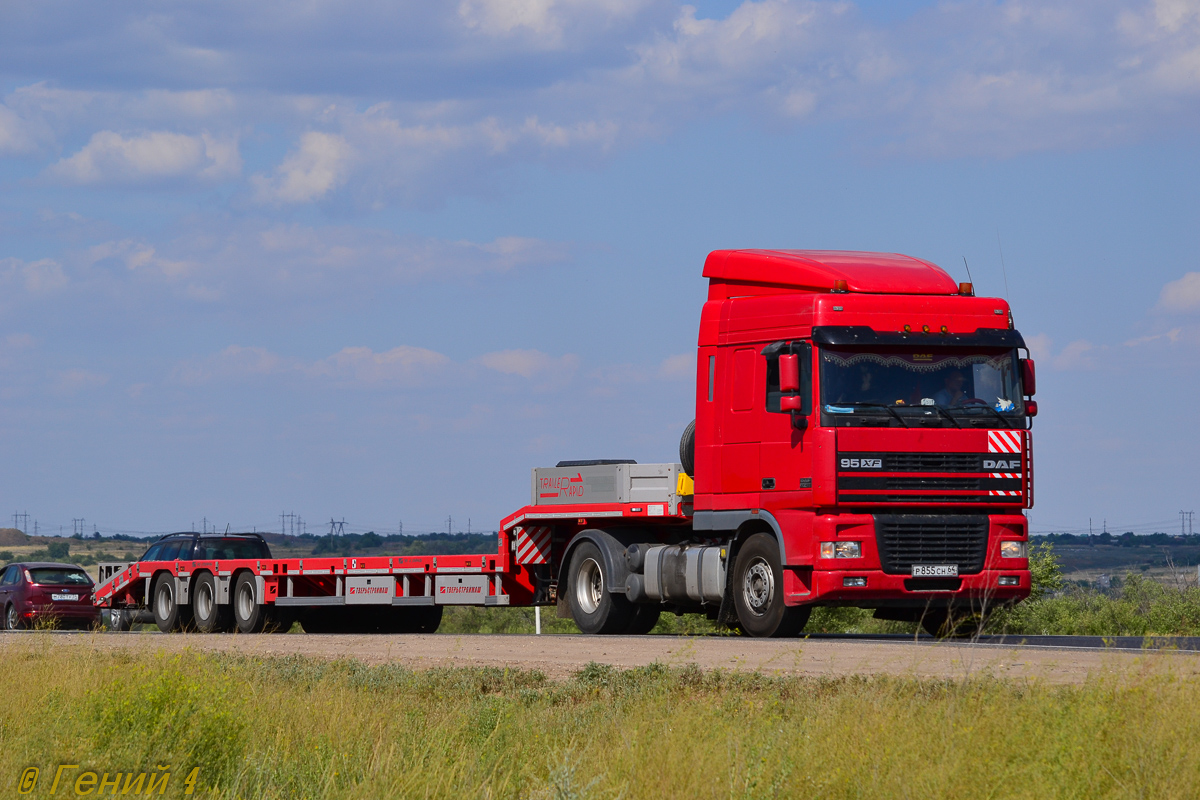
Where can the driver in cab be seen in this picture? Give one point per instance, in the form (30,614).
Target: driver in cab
(952,393)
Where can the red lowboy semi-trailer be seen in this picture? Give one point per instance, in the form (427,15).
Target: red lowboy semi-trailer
(861,438)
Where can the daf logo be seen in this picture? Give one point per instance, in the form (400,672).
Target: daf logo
(862,463)
(1001,466)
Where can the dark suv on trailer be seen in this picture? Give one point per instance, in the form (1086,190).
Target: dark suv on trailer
(56,594)
(191,547)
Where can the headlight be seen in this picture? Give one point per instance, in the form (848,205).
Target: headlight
(1013,550)
(841,549)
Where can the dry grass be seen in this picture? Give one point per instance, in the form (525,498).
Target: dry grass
(295,727)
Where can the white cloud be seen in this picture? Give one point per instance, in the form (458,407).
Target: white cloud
(43,275)
(529,363)
(361,365)
(544,19)
(138,256)
(73,381)
(352,365)
(1181,296)
(317,166)
(15,134)
(1078,355)
(110,158)
(678,367)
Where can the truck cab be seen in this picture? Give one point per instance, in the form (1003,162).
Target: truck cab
(872,417)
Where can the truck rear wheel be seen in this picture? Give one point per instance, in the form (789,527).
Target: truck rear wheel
(250,615)
(595,608)
(211,617)
(169,615)
(758,591)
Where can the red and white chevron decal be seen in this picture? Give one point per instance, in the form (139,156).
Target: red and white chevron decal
(533,545)
(1005,442)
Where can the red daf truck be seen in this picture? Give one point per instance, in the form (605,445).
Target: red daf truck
(861,438)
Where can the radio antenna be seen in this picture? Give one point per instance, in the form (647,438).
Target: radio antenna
(972,280)
(1002,267)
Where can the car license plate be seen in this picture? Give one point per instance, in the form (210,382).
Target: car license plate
(935,570)
(64,597)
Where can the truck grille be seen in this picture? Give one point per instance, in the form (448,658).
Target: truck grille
(907,539)
(924,462)
(895,478)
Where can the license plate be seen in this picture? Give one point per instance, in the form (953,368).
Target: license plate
(64,597)
(935,570)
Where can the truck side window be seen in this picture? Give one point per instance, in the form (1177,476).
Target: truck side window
(804,351)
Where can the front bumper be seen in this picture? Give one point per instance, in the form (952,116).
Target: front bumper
(901,591)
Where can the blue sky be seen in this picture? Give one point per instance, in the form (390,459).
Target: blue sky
(376,260)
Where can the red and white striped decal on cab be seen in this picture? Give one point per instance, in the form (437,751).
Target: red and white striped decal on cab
(1005,442)
(533,545)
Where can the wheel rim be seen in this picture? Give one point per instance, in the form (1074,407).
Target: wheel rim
(758,586)
(589,586)
(204,601)
(245,601)
(164,603)
(10,618)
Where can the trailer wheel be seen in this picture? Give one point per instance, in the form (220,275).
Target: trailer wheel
(594,607)
(645,617)
(425,619)
(119,620)
(758,591)
(318,620)
(250,615)
(687,449)
(12,620)
(211,617)
(169,615)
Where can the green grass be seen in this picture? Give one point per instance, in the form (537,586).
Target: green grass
(293,727)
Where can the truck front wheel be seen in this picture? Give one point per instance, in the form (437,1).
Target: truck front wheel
(169,615)
(758,591)
(595,608)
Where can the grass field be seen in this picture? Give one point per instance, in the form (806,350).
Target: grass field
(292,727)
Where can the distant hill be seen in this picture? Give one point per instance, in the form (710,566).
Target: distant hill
(11,537)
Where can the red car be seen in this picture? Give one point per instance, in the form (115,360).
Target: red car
(57,594)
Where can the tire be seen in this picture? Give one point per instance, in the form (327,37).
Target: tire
(943,623)
(645,617)
(758,591)
(210,616)
(319,620)
(424,619)
(169,615)
(12,619)
(249,614)
(595,609)
(687,449)
(119,620)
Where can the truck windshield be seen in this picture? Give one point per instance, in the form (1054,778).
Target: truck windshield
(946,388)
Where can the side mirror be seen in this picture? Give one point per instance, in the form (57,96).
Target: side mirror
(789,374)
(1028,377)
(791,403)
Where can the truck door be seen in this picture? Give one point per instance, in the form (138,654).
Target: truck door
(785,456)
(740,432)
